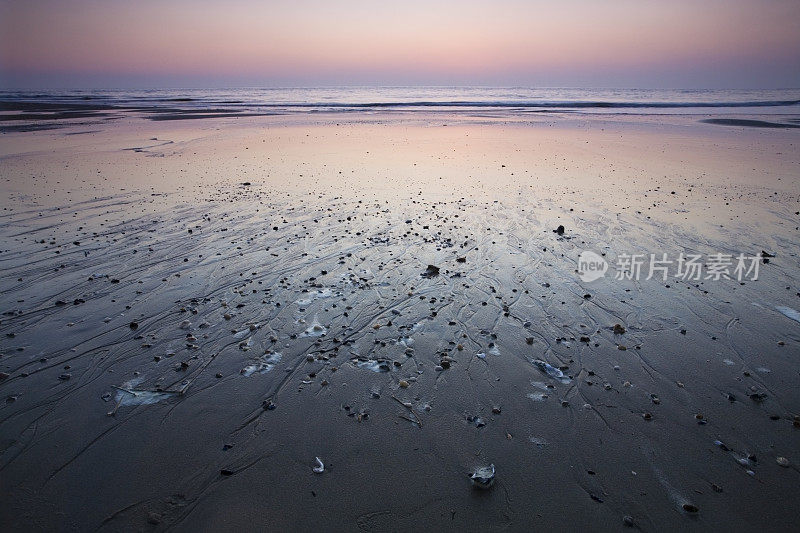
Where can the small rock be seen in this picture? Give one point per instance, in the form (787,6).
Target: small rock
(783,461)
(430,272)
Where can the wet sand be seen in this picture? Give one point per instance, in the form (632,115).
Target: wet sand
(194,311)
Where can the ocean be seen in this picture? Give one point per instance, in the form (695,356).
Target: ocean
(510,100)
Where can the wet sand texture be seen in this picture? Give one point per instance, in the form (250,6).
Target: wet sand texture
(235,324)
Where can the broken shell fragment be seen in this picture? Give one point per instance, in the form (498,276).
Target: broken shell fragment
(483,477)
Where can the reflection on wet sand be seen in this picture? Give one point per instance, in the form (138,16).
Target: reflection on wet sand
(190,329)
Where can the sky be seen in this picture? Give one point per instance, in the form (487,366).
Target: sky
(273,43)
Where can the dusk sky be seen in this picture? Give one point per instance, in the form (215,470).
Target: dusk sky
(580,43)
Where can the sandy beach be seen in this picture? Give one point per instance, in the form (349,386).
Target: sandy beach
(194,311)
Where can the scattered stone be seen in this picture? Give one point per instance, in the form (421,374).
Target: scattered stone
(618,329)
(782,461)
(559,230)
(430,272)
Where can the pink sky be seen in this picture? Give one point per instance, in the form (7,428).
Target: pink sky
(647,43)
